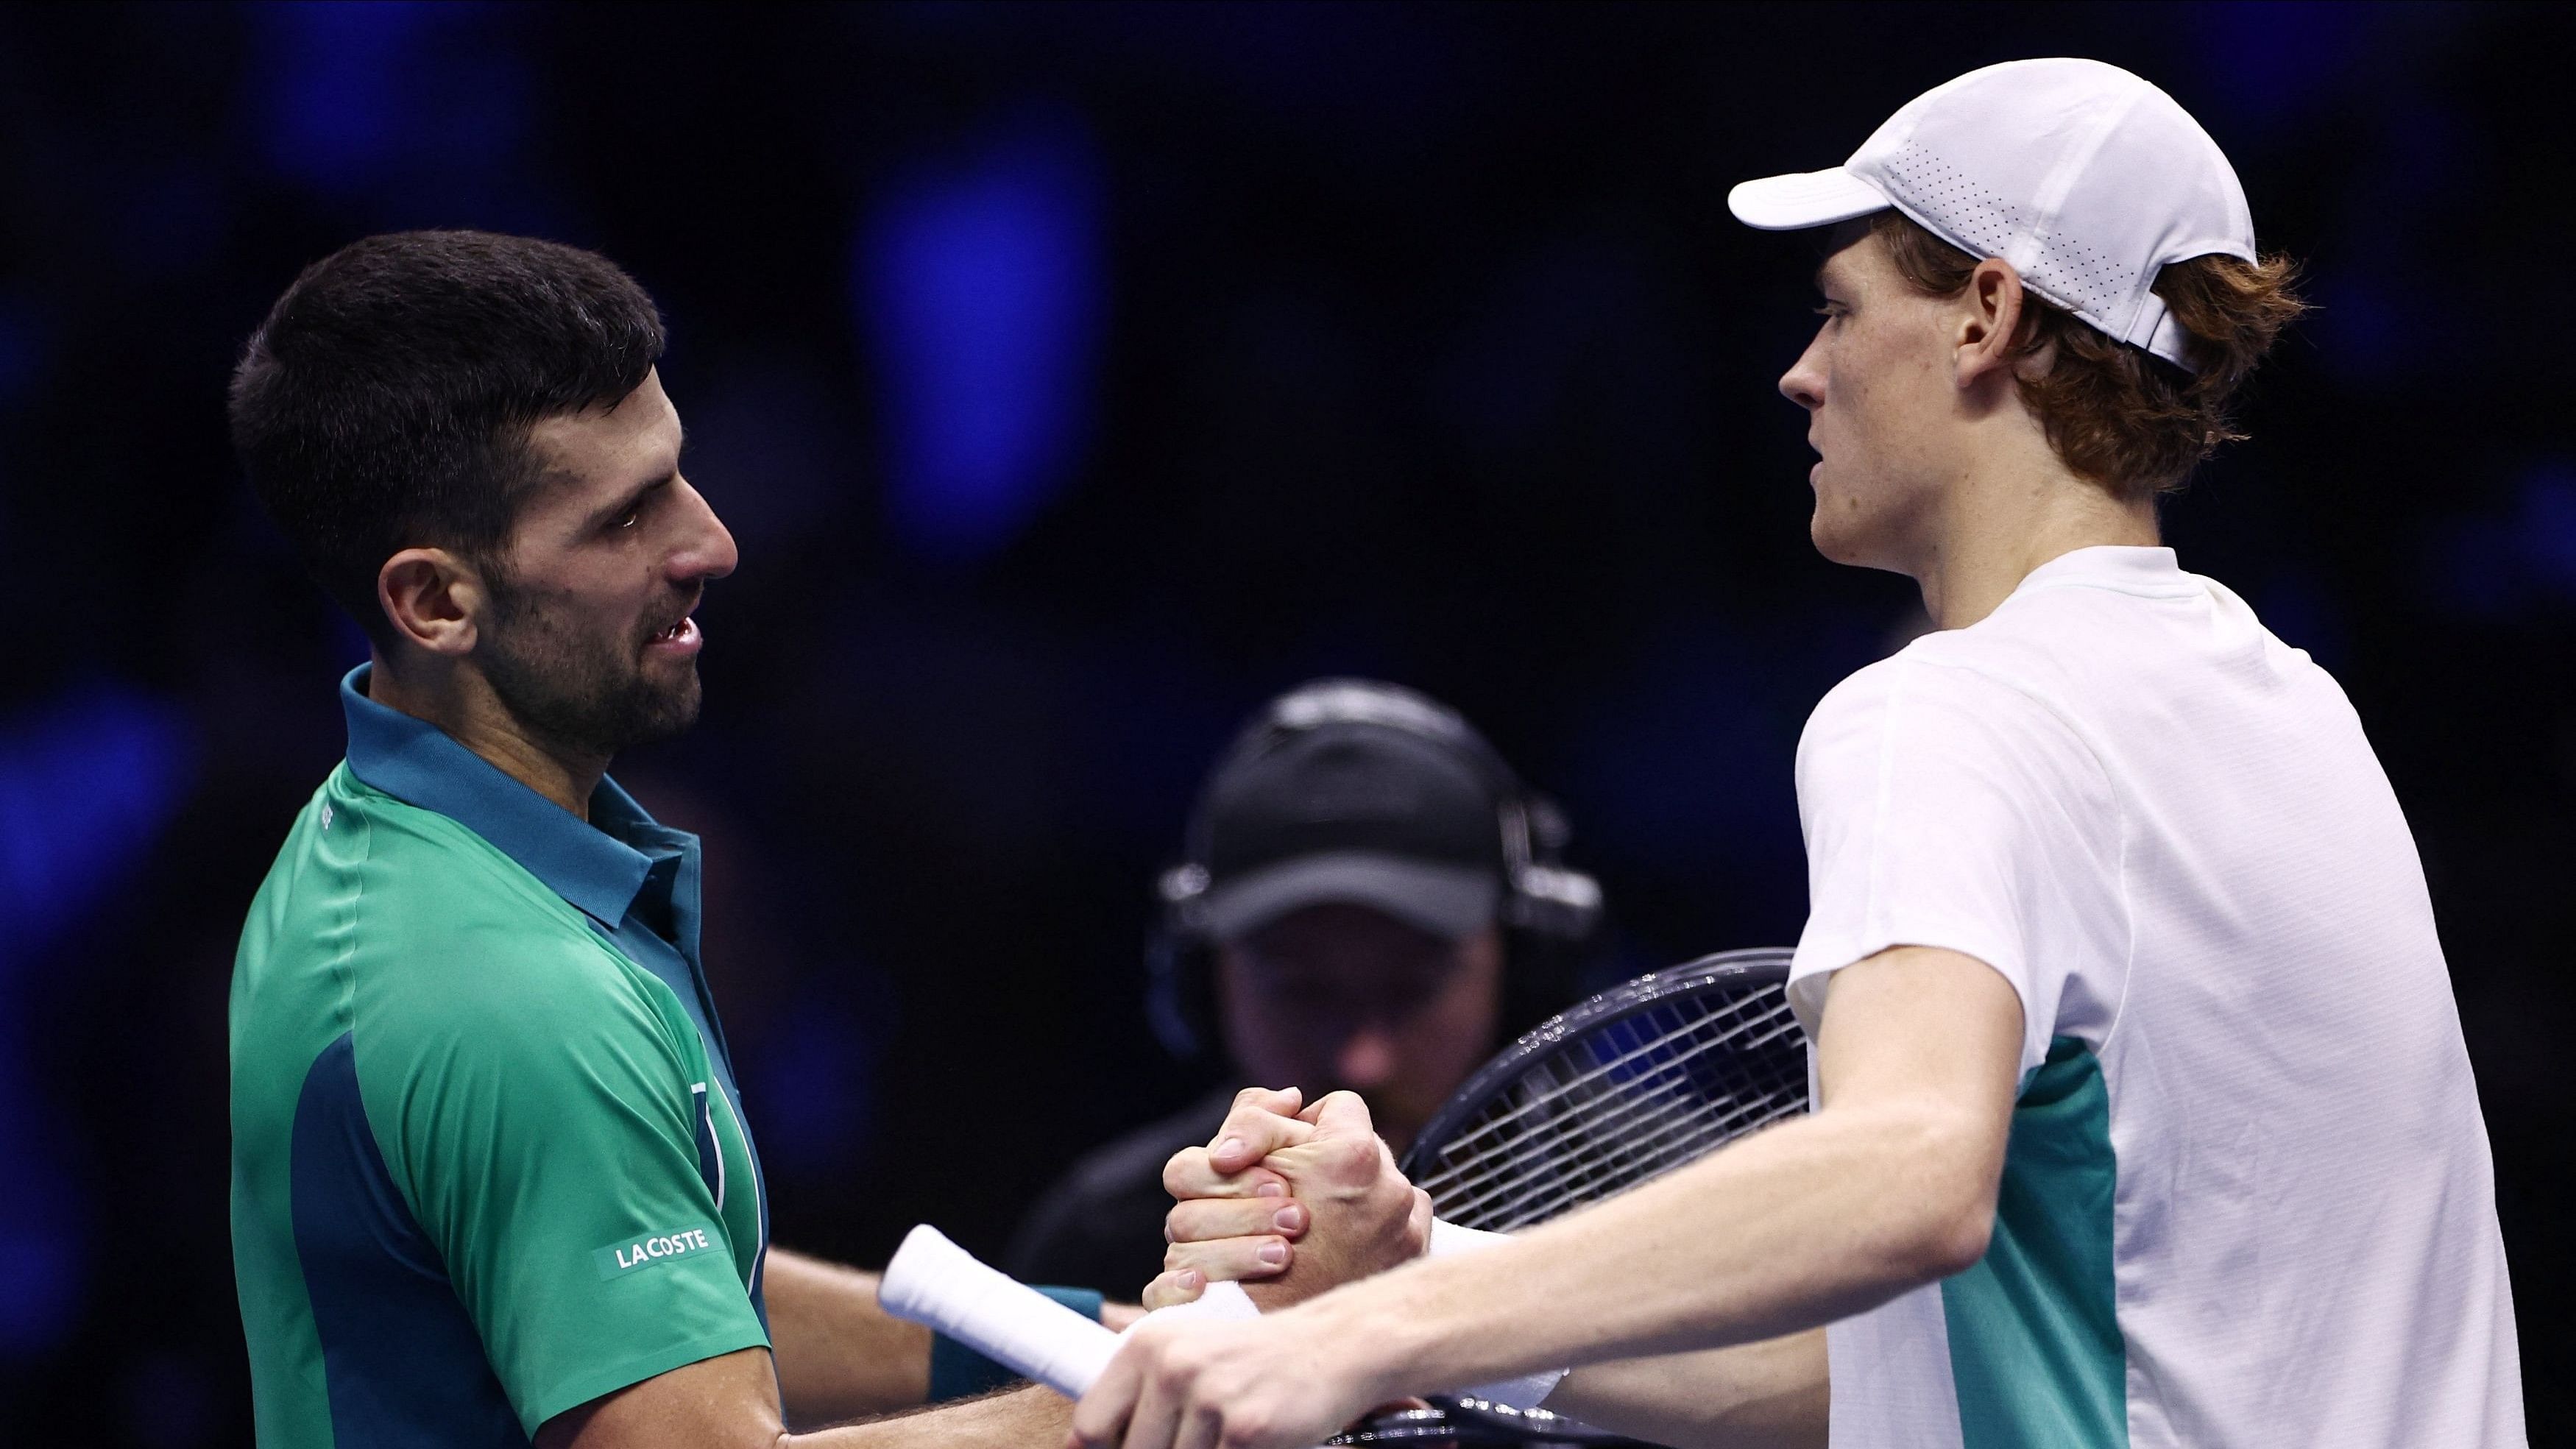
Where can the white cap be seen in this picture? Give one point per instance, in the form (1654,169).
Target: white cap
(2084,177)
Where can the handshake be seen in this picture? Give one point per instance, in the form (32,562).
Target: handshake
(1291,1200)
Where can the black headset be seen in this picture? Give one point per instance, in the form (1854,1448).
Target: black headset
(1551,915)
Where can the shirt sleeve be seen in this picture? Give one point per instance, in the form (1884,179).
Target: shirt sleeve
(548,1137)
(1942,808)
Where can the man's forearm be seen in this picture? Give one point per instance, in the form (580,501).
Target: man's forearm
(1013,1419)
(725,1402)
(1767,1395)
(840,1356)
(1786,1231)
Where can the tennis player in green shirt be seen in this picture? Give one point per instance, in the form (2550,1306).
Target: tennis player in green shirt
(491,1177)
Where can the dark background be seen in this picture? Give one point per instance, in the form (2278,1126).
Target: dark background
(1073,379)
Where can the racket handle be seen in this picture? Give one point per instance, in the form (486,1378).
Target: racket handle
(934,1282)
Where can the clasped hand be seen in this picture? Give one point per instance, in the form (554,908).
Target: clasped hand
(1291,1200)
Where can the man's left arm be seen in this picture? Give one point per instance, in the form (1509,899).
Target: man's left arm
(839,1354)
(1889,1186)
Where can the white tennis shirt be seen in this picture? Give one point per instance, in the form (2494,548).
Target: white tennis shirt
(2248,1198)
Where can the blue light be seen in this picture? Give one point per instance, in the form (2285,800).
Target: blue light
(336,100)
(979,286)
(85,785)
(413,111)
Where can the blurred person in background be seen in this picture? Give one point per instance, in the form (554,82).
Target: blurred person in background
(491,1176)
(1371,902)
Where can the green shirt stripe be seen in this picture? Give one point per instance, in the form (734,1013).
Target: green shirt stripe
(2035,1348)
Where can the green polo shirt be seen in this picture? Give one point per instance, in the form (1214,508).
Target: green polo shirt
(488,1158)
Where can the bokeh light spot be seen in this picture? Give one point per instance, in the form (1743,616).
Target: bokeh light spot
(980,293)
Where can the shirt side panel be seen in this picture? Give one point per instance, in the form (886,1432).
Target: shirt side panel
(403,1362)
(2034,1333)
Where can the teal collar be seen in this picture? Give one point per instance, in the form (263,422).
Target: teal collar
(599,867)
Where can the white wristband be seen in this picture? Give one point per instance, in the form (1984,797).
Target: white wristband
(1223,1302)
(1448,1240)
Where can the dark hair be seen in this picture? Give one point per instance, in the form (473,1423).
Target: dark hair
(385,403)
(2118,415)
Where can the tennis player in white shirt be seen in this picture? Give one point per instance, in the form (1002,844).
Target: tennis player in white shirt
(2144,1115)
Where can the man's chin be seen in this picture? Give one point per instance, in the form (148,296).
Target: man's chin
(1844,536)
(1829,541)
(603,729)
(673,715)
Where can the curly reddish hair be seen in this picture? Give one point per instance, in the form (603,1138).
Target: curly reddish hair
(2119,416)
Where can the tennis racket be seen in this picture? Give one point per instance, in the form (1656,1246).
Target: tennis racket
(1613,1092)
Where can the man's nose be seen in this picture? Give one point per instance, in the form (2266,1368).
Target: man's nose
(1804,382)
(708,552)
(1366,1059)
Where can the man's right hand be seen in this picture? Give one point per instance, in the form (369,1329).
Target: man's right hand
(1289,1202)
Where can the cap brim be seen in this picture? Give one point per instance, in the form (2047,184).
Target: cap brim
(1803,199)
(1448,901)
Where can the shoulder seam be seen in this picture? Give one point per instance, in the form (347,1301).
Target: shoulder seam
(341,971)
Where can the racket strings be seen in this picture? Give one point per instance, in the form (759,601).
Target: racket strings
(1671,1148)
(1626,1103)
(1674,1040)
(1545,1183)
(1673,1082)
(1630,1139)
(1667,1032)
(1647,1154)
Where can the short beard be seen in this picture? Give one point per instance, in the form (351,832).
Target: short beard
(584,695)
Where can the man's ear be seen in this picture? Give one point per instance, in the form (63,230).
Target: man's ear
(1990,319)
(434,600)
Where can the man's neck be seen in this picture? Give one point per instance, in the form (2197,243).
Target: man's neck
(459,701)
(2007,518)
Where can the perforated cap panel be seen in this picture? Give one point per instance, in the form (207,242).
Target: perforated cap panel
(2083,176)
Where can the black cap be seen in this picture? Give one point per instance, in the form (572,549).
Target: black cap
(1364,811)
